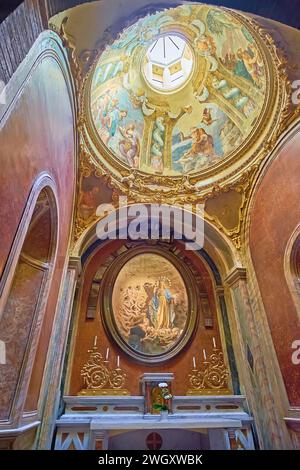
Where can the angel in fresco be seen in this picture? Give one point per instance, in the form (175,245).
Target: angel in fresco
(207,118)
(152,302)
(252,62)
(130,145)
(111,120)
(205,46)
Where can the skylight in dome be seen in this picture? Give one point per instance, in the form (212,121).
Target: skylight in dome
(169,63)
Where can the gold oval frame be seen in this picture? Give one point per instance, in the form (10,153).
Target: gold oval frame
(107,313)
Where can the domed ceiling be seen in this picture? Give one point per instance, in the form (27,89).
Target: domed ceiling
(179,91)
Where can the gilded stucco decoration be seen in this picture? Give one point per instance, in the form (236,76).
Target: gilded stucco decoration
(149,303)
(192,143)
(187,143)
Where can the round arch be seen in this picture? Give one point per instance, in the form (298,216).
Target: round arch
(30,266)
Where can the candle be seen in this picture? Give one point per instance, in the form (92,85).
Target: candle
(204,354)
(194,362)
(118,362)
(214,342)
(107,353)
(95,341)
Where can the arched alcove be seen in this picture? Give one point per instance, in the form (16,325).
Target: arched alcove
(292,267)
(209,265)
(22,316)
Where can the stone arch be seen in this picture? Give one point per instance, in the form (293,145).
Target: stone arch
(219,259)
(292,267)
(30,265)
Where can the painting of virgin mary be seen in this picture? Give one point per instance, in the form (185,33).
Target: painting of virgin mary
(150,310)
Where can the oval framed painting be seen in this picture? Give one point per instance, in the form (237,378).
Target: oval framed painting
(149,304)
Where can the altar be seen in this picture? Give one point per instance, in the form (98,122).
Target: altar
(120,423)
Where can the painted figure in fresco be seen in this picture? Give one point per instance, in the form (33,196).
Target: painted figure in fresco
(102,105)
(111,119)
(240,68)
(160,304)
(165,311)
(205,46)
(218,23)
(115,116)
(141,33)
(130,145)
(152,302)
(246,63)
(137,333)
(207,117)
(89,201)
(252,63)
(202,147)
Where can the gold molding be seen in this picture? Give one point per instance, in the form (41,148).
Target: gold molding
(241,185)
(144,187)
(107,314)
(141,187)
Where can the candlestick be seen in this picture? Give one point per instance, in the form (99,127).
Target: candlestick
(194,362)
(212,378)
(214,343)
(107,354)
(95,341)
(98,378)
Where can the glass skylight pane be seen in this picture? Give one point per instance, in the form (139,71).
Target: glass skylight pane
(169,63)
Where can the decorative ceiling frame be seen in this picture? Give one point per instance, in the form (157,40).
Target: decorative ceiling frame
(192,188)
(242,186)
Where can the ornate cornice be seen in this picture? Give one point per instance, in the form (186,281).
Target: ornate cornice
(235,276)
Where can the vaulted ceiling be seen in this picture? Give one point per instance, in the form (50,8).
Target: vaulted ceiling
(275,9)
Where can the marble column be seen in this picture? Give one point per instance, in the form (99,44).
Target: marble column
(253,368)
(228,339)
(56,355)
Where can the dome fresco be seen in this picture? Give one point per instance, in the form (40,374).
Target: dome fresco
(179,91)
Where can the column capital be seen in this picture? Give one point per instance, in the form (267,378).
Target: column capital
(75,264)
(220,290)
(236,274)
